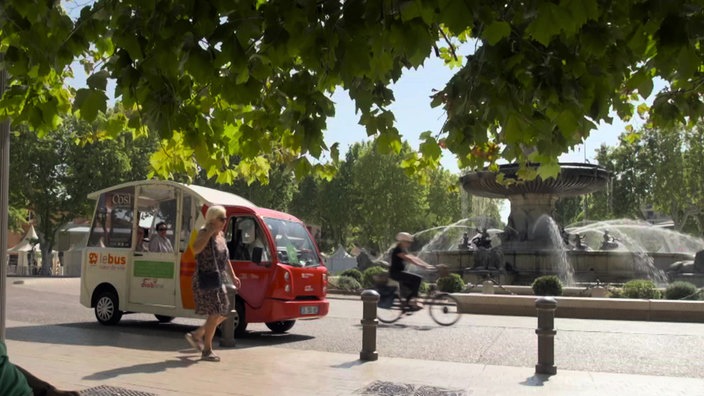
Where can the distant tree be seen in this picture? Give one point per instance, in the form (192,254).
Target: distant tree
(53,175)
(662,168)
(631,185)
(443,198)
(337,202)
(304,203)
(389,200)
(568,210)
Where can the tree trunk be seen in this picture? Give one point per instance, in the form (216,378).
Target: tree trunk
(47,260)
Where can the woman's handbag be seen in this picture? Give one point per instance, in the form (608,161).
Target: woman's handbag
(210,280)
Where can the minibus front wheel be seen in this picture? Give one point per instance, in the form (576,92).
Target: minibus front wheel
(240,319)
(280,326)
(107,308)
(163,318)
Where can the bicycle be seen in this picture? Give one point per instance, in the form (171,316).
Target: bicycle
(392,303)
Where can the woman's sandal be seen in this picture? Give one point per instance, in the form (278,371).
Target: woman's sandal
(209,356)
(196,344)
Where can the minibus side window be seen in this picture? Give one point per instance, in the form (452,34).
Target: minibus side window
(158,204)
(112,220)
(246,237)
(187,221)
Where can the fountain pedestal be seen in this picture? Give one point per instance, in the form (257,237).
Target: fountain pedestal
(526,211)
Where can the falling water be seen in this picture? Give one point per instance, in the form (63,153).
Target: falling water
(640,235)
(639,238)
(561,265)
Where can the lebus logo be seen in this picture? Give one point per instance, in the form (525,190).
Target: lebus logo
(109,259)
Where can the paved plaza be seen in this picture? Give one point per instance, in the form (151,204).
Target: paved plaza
(166,367)
(647,358)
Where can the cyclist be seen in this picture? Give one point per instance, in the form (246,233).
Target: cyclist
(397,271)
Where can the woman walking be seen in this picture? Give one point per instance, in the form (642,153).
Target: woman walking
(212,266)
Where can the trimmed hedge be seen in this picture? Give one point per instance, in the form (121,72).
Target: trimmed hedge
(548,285)
(424,286)
(640,288)
(353,273)
(681,290)
(348,283)
(452,283)
(368,275)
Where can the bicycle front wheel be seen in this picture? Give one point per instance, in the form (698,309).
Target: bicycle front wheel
(444,309)
(389,311)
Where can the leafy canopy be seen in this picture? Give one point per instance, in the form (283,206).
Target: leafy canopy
(221,78)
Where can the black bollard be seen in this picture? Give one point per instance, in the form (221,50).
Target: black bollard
(546,307)
(370,299)
(227,328)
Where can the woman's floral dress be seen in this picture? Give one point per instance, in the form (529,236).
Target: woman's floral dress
(215,301)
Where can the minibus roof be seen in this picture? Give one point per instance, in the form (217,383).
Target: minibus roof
(210,195)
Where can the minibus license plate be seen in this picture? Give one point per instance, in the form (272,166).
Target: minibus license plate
(309,310)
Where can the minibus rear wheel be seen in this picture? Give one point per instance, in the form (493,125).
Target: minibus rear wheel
(107,308)
(280,326)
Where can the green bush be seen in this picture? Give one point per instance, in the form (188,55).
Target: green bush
(548,285)
(616,292)
(423,287)
(681,291)
(348,283)
(369,273)
(640,288)
(353,273)
(452,283)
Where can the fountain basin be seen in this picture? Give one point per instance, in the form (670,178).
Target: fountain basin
(574,179)
(585,308)
(523,266)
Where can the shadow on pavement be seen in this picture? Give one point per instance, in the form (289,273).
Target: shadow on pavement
(347,365)
(536,380)
(137,334)
(405,326)
(155,367)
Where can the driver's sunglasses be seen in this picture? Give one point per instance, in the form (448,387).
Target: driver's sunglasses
(161,229)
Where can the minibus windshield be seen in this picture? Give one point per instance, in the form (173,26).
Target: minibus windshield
(293,244)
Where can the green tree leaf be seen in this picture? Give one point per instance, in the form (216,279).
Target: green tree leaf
(496,31)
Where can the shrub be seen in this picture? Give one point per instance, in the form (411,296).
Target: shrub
(353,273)
(423,287)
(616,292)
(369,273)
(640,288)
(681,291)
(348,283)
(452,283)
(548,285)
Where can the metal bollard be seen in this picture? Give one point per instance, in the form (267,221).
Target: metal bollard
(227,329)
(370,299)
(546,307)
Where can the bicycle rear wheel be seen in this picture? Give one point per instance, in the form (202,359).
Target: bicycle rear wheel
(444,309)
(389,312)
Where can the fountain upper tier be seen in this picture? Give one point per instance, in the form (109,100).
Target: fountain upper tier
(574,179)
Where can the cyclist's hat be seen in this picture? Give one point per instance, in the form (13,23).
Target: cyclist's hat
(404,237)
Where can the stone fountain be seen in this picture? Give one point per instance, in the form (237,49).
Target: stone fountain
(532,244)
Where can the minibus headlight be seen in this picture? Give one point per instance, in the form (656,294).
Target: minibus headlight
(287,276)
(287,289)
(325,277)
